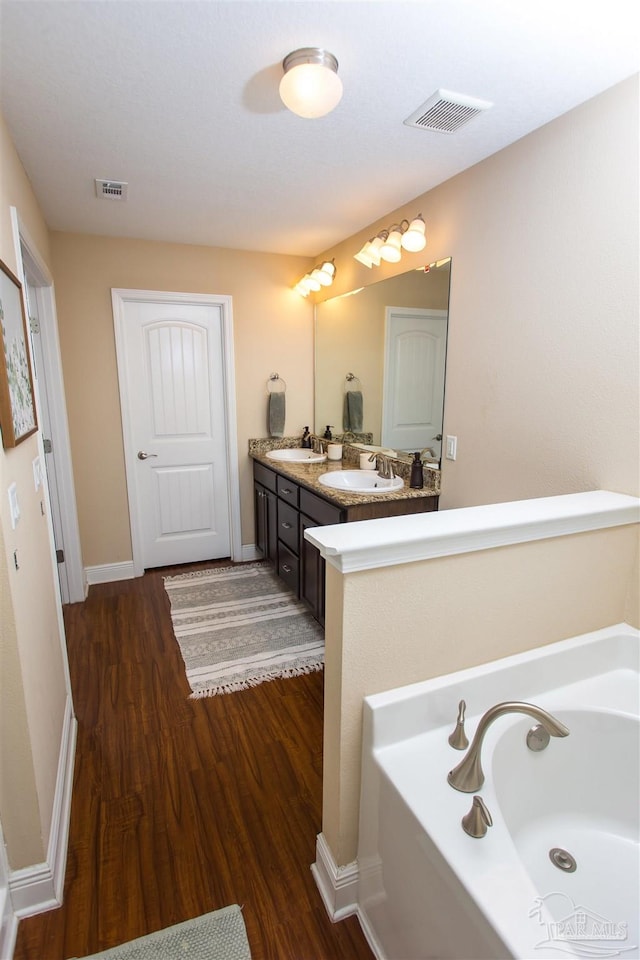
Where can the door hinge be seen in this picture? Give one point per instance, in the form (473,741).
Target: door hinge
(34,325)
(48,446)
(59,556)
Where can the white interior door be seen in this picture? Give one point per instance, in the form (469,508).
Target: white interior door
(414,366)
(52,415)
(172,384)
(48,431)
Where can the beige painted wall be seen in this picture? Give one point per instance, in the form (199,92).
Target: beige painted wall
(273,332)
(31,650)
(397,625)
(543,385)
(543,370)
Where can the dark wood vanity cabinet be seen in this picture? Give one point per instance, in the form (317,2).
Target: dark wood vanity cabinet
(265,509)
(284,510)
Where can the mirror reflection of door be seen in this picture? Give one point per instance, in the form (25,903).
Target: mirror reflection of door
(350,337)
(413,392)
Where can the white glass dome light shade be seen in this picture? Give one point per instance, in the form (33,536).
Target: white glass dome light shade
(312,281)
(302,288)
(413,239)
(326,273)
(391,251)
(363,256)
(310,87)
(374,247)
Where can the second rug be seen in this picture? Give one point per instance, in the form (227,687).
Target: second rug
(239,626)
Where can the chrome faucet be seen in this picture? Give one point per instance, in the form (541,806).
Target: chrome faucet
(386,470)
(468,776)
(318,445)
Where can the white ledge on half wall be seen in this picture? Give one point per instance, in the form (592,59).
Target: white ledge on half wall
(366,544)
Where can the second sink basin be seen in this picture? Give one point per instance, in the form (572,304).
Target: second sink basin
(297,455)
(360,481)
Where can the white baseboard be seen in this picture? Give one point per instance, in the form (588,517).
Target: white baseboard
(40,887)
(249,552)
(8,927)
(109,572)
(338,886)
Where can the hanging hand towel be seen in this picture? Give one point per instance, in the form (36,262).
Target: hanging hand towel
(276,414)
(352,414)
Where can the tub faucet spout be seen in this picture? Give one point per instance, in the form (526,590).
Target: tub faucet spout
(468,775)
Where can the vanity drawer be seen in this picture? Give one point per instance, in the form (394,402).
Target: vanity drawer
(264,476)
(319,510)
(288,519)
(288,567)
(288,490)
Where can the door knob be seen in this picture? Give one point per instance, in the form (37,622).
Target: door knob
(145,456)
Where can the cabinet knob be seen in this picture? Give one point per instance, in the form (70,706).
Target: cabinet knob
(286,568)
(287,490)
(287,526)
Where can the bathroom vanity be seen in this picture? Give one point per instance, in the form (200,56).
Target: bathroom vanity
(288,498)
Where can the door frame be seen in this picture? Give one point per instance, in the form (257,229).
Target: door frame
(119,298)
(32,266)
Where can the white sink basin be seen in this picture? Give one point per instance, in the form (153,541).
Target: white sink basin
(360,481)
(297,455)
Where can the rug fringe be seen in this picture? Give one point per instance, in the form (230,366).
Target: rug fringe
(213,690)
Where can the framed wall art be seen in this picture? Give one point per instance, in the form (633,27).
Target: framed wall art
(17,404)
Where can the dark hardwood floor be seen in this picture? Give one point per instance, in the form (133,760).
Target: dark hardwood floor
(184,806)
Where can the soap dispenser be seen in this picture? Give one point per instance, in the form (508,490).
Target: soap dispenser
(327,434)
(417,481)
(305,443)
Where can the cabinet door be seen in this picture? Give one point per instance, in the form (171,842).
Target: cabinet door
(312,572)
(265,507)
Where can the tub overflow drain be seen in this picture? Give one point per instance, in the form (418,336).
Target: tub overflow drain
(562,859)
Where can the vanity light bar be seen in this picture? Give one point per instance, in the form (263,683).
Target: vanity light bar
(389,244)
(322,275)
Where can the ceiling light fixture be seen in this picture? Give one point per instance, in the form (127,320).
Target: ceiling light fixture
(310,86)
(389,244)
(321,276)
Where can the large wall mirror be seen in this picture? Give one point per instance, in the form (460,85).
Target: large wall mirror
(387,340)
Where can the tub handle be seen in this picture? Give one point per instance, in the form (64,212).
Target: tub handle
(475,822)
(458,739)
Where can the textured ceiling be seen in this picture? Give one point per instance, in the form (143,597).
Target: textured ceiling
(180,100)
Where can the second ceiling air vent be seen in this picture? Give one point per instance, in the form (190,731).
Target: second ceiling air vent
(111,189)
(446,112)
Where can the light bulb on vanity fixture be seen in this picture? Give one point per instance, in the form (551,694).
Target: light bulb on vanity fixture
(413,238)
(389,244)
(310,87)
(321,276)
(391,250)
(370,253)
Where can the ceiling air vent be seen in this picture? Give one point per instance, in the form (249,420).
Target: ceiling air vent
(111,189)
(446,112)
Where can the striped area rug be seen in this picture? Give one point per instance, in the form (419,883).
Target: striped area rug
(239,626)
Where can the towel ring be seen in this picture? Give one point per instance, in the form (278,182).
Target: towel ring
(350,377)
(275,378)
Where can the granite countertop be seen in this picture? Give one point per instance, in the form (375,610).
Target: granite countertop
(307,474)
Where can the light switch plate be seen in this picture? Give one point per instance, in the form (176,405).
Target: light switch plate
(37,473)
(14,506)
(451,448)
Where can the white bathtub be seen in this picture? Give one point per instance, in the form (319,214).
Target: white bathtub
(428,890)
